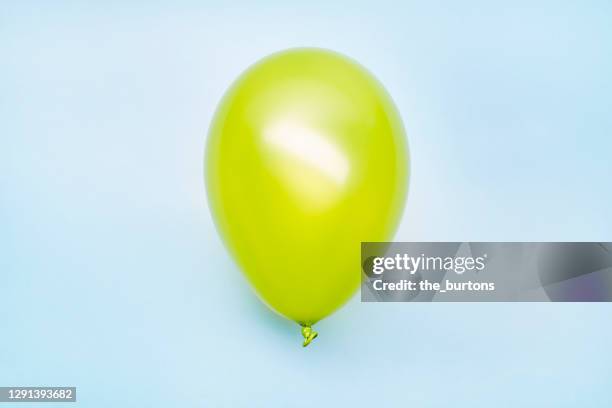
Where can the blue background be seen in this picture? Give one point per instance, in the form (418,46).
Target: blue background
(113,278)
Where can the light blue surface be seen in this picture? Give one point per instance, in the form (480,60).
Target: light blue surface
(114,280)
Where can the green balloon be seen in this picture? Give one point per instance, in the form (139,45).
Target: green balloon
(306,158)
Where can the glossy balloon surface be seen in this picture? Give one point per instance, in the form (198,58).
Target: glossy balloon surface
(306,158)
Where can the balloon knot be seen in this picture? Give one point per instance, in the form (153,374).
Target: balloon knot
(308,334)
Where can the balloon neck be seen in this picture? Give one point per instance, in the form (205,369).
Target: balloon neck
(308,334)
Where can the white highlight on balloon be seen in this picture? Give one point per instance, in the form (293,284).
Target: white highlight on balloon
(310,147)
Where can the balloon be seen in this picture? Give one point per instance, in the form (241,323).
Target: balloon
(306,157)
